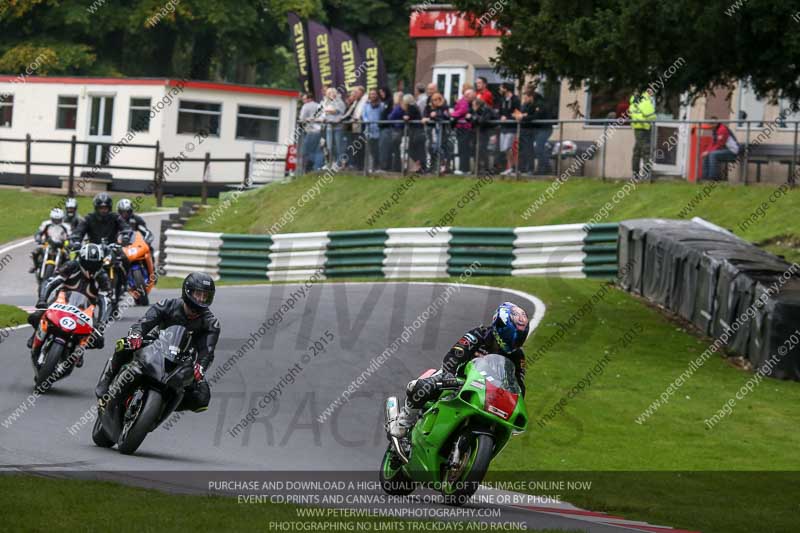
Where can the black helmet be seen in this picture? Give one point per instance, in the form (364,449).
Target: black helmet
(102,200)
(90,258)
(198,290)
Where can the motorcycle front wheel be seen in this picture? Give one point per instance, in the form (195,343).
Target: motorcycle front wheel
(140,418)
(461,481)
(50,362)
(394,480)
(99,435)
(141,288)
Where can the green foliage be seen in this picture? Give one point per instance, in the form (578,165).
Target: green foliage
(246,41)
(624,44)
(40,59)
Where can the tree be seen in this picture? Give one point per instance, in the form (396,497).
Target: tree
(246,41)
(689,46)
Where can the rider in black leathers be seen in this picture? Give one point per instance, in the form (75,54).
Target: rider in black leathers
(505,336)
(100,225)
(191,311)
(84,275)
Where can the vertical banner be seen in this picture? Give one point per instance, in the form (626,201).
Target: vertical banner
(350,70)
(321,54)
(300,43)
(374,67)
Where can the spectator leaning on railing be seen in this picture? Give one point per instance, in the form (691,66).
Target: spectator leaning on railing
(426,110)
(397,132)
(332,111)
(438,114)
(542,132)
(385,130)
(482,115)
(509,105)
(525,115)
(312,152)
(370,116)
(724,149)
(482,91)
(642,111)
(416,137)
(462,114)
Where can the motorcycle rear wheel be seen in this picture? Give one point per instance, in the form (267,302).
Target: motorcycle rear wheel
(131,438)
(457,492)
(394,481)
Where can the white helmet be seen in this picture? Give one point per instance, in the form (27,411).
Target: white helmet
(71,203)
(56,215)
(124,206)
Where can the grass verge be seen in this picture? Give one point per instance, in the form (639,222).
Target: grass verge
(11,315)
(44,504)
(29,208)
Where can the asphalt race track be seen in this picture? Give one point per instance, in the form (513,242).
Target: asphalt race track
(289,431)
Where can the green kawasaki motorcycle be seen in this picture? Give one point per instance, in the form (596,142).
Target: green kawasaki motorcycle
(459,434)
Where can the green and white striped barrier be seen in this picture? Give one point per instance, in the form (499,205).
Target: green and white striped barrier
(567,250)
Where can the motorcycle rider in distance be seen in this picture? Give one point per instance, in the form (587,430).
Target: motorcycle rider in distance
(102,224)
(56,219)
(137,223)
(505,336)
(72,218)
(191,311)
(86,276)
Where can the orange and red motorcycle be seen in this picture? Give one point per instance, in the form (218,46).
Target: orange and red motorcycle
(139,273)
(65,326)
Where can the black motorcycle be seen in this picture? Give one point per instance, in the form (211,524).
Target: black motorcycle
(145,391)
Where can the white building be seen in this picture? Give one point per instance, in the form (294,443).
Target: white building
(186,119)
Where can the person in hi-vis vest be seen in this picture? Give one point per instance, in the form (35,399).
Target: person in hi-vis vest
(642,112)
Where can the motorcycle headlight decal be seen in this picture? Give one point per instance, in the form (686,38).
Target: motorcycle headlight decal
(499,401)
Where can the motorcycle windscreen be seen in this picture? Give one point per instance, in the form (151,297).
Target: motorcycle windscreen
(502,387)
(126,237)
(56,235)
(78,299)
(167,347)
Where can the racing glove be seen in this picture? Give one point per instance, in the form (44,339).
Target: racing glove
(134,341)
(199,373)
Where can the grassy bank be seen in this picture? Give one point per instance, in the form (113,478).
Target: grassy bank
(25,210)
(43,504)
(355,202)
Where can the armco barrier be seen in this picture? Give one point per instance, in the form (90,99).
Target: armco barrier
(568,250)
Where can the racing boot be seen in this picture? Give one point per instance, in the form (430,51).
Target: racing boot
(105,379)
(400,426)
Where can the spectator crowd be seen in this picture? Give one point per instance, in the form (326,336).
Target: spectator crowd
(380,131)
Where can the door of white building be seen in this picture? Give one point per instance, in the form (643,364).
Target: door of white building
(101,114)
(670,140)
(449,80)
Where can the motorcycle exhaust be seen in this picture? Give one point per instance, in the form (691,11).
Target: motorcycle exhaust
(392,409)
